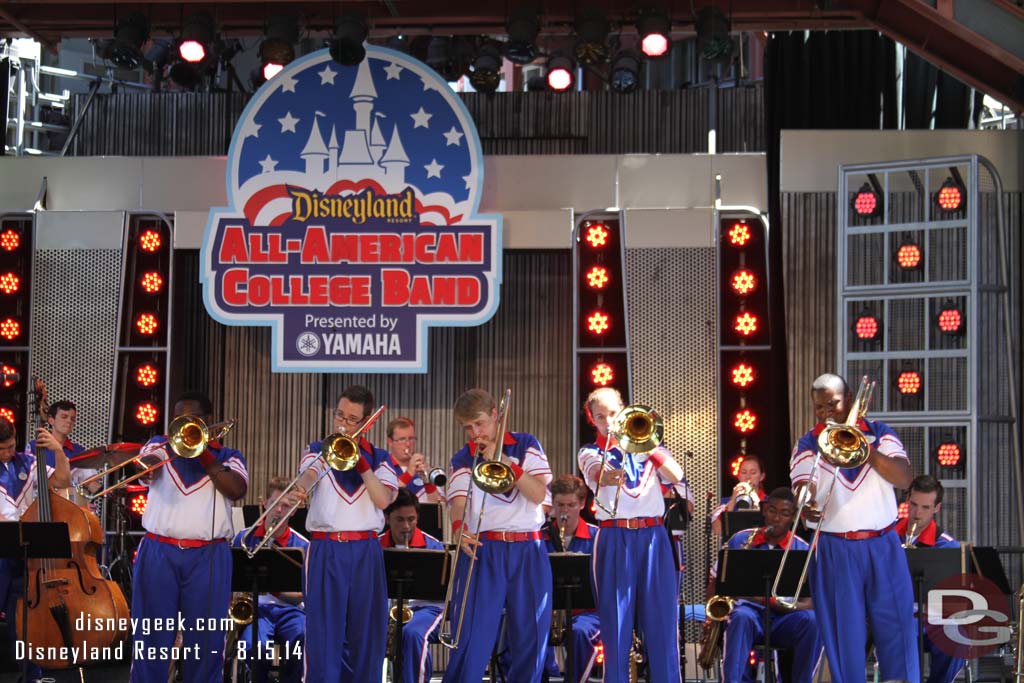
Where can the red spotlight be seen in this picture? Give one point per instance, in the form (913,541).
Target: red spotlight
(867,327)
(903,510)
(950,320)
(10,283)
(739,234)
(146,413)
(146,324)
(137,504)
(150,241)
(597,235)
(950,196)
(948,453)
(909,382)
(742,375)
(745,421)
(151,282)
(908,256)
(598,322)
(10,239)
(654,45)
(602,374)
(599,648)
(192,51)
(743,281)
(560,72)
(654,28)
(146,375)
(7,414)
(9,373)
(745,323)
(10,329)
(597,277)
(865,202)
(734,466)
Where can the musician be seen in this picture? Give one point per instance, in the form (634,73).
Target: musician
(750,477)
(635,582)
(920,530)
(402,517)
(569,494)
(859,573)
(411,465)
(795,628)
(514,572)
(61,417)
(280,616)
(346,589)
(183,564)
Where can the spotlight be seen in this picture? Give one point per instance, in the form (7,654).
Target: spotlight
(126,49)
(626,71)
(745,323)
(950,319)
(485,74)
(866,203)
(278,48)
(197,35)
(744,421)
(347,45)
(740,234)
(10,239)
(908,256)
(655,31)
(602,374)
(867,326)
(598,322)
(560,72)
(713,39)
(743,281)
(950,197)
(948,453)
(523,26)
(592,28)
(146,413)
(597,235)
(909,382)
(742,375)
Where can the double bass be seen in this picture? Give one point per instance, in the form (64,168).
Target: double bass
(64,594)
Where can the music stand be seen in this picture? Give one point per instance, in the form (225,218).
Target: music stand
(413,574)
(740,520)
(570,578)
(429,520)
(743,573)
(32,541)
(271,570)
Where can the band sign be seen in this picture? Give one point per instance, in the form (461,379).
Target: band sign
(353,227)
(967,616)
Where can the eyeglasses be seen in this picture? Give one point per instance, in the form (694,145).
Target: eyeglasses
(405,439)
(346,419)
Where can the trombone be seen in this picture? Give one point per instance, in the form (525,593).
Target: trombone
(843,446)
(340,452)
(637,429)
(187,437)
(490,476)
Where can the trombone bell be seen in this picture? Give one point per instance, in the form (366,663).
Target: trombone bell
(340,452)
(492,476)
(637,428)
(188,435)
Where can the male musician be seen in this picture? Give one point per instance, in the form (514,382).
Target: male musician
(859,574)
(402,517)
(750,476)
(280,616)
(635,582)
(514,572)
(920,530)
(794,628)
(183,566)
(569,494)
(411,465)
(346,589)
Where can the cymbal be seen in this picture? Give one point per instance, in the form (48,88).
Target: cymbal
(111,455)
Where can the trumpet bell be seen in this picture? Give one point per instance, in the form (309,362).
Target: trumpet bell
(492,476)
(437,477)
(638,428)
(340,452)
(241,611)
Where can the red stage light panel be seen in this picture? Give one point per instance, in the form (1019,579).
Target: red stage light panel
(745,323)
(9,370)
(734,466)
(950,196)
(909,382)
(598,322)
(745,421)
(903,510)
(739,234)
(742,375)
(597,277)
(10,239)
(146,324)
(137,505)
(150,241)
(597,235)
(602,374)
(146,413)
(10,283)
(908,256)
(950,320)
(948,454)
(10,329)
(865,202)
(7,414)
(146,375)
(867,327)
(151,282)
(599,648)
(743,281)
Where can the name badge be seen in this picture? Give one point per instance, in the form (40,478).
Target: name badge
(22,475)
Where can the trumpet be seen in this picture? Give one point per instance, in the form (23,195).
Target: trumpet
(747,498)
(187,437)
(637,429)
(438,477)
(563,519)
(843,446)
(492,477)
(911,541)
(340,452)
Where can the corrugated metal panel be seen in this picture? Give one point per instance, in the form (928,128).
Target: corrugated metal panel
(741,119)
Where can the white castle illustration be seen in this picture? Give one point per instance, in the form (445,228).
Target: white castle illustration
(363,152)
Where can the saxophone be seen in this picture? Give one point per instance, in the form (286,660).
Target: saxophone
(636,658)
(717,611)
(391,649)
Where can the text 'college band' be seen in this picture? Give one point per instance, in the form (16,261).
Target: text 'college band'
(499,494)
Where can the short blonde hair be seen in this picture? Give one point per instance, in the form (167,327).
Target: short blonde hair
(472,403)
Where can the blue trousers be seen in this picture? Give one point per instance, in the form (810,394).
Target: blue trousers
(422,629)
(12,589)
(194,583)
(636,585)
(944,667)
(797,631)
(586,634)
(862,584)
(346,611)
(285,625)
(516,577)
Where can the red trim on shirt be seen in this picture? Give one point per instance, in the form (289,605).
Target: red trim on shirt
(261,532)
(819,428)
(582,530)
(418,540)
(604,442)
(926,537)
(508,441)
(760,538)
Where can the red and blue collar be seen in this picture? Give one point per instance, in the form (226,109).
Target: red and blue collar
(759,537)
(418,540)
(605,442)
(282,540)
(509,440)
(861,425)
(926,537)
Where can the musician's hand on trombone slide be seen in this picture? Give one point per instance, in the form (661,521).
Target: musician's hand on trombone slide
(469,543)
(612,477)
(297,496)
(807,492)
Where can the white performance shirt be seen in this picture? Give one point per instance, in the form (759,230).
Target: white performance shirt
(18,485)
(641,488)
(340,502)
(183,502)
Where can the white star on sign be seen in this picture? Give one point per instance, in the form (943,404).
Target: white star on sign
(327,76)
(251,129)
(269,165)
(453,137)
(288,123)
(394,72)
(421,119)
(288,84)
(434,169)
(466,179)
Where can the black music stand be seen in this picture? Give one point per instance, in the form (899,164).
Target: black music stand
(429,519)
(32,541)
(570,578)
(743,573)
(413,574)
(740,520)
(271,570)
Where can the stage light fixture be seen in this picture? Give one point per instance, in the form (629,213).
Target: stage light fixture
(11,375)
(950,319)
(909,382)
(866,203)
(146,413)
(745,323)
(597,235)
(598,322)
(742,375)
(278,47)
(10,329)
(597,277)
(734,466)
(147,324)
(743,281)
(655,31)
(10,283)
(948,453)
(745,421)
(197,36)
(592,30)
(137,505)
(903,511)
(346,46)
(950,197)
(626,71)
(485,72)
(561,72)
(146,375)
(599,648)
(522,26)
(909,256)
(150,241)
(7,414)
(867,326)
(713,39)
(602,374)
(125,51)
(740,235)
(10,239)
(150,282)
